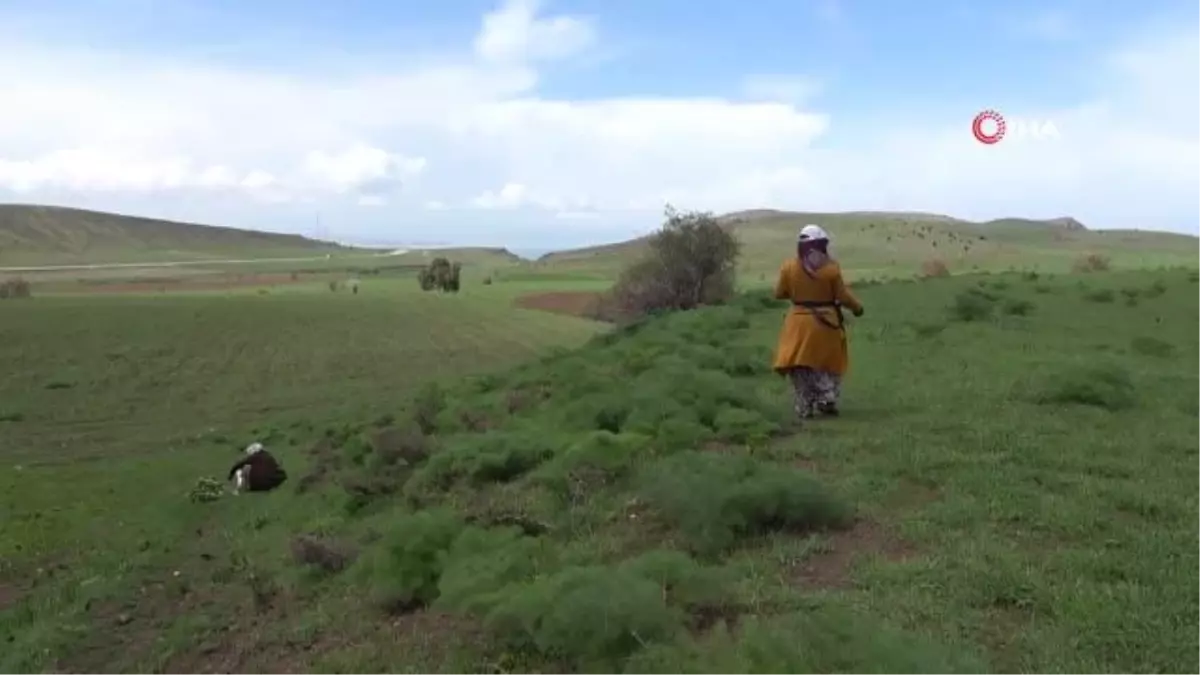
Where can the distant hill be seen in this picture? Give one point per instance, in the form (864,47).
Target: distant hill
(897,243)
(51,235)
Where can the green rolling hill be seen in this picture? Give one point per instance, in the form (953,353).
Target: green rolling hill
(51,235)
(32,235)
(897,244)
(869,244)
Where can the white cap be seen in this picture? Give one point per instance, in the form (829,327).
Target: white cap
(813,233)
(253,448)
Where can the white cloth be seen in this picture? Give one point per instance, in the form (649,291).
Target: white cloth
(813,233)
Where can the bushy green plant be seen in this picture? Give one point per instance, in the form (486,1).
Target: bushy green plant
(1152,346)
(482,565)
(973,305)
(595,461)
(650,408)
(496,456)
(824,640)
(355,450)
(683,432)
(1155,289)
(684,582)
(745,360)
(1017,307)
(403,570)
(428,403)
(715,498)
(601,411)
(739,425)
(594,617)
(1107,386)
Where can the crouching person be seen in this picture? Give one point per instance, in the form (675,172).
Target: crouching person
(258,471)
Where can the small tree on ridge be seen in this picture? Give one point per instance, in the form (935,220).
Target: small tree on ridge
(441,275)
(691,262)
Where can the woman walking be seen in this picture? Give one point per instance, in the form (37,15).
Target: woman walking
(812,350)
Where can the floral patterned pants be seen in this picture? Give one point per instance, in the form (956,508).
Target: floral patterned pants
(815,390)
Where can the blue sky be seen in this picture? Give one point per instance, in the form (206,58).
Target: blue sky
(558,123)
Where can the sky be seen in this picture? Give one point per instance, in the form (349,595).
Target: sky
(557,123)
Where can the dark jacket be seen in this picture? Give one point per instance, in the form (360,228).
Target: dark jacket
(265,472)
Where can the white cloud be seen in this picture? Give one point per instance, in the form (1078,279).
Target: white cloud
(472,132)
(510,196)
(363,169)
(515,33)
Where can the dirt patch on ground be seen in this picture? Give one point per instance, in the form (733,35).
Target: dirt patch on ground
(205,283)
(911,494)
(806,464)
(10,595)
(203,584)
(323,463)
(124,628)
(574,303)
(832,569)
(258,646)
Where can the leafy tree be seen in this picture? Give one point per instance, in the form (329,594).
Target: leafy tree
(441,275)
(690,262)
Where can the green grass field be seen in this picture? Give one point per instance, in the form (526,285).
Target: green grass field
(111,408)
(1011,486)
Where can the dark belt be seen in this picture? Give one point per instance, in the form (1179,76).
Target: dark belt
(816,305)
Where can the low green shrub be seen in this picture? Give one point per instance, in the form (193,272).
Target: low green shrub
(594,462)
(1155,289)
(1017,307)
(428,403)
(403,570)
(492,457)
(822,640)
(1101,295)
(595,617)
(739,425)
(715,498)
(592,617)
(972,305)
(483,564)
(1106,386)
(1152,346)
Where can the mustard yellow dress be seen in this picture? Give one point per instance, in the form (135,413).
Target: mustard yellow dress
(809,336)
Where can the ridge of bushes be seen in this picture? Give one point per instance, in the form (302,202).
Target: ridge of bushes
(592,511)
(583,509)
